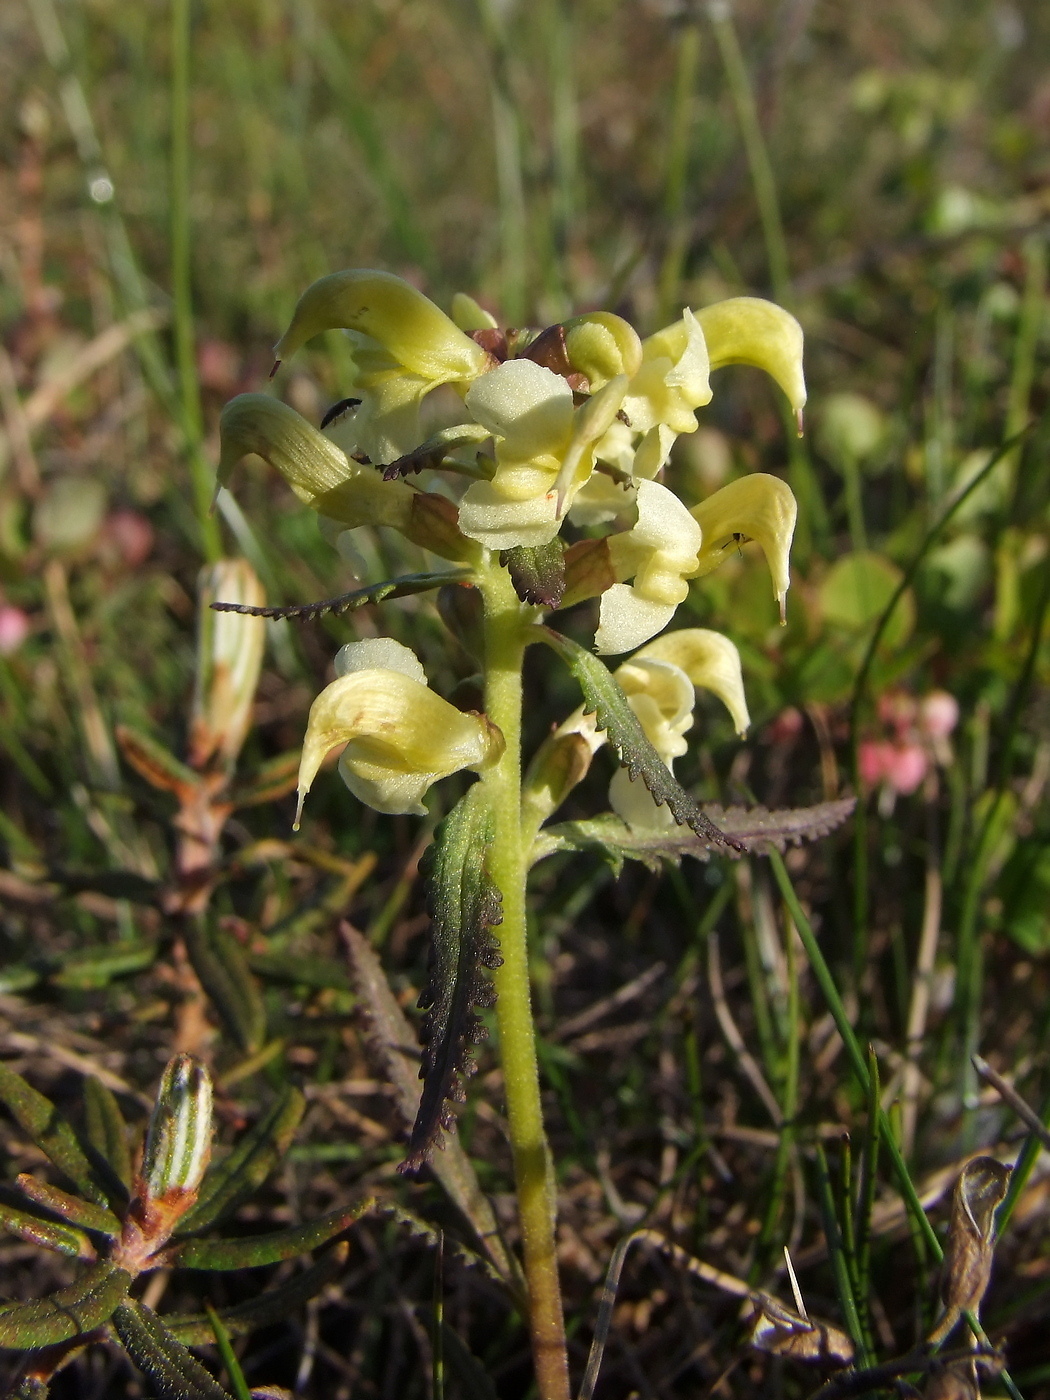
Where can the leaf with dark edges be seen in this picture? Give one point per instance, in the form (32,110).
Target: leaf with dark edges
(275,1305)
(403,587)
(38,1117)
(464,905)
(753,828)
(607,701)
(433,452)
(72,1311)
(249,1164)
(173,1371)
(256,1251)
(537,572)
(221,964)
(393,1043)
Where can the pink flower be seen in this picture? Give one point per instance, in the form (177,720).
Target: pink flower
(785,726)
(874,759)
(14,628)
(131,534)
(938,714)
(898,709)
(906,767)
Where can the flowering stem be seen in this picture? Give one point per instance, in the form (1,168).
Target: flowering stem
(507,623)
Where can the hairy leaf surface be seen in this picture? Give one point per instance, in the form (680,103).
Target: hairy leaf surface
(753,829)
(176,1374)
(464,906)
(71,1312)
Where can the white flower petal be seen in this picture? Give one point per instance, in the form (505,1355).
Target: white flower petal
(626,620)
(525,404)
(709,660)
(498,523)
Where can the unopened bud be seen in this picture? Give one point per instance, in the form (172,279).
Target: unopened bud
(229,659)
(178,1142)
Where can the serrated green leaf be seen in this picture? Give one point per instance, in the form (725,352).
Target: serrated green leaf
(220,963)
(752,828)
(393,1040)
(537,572)
(176,1374)
(83,1213)
(464,905)
(249,1164)
(403,587)
(106,1130)
(38,1117)
(259,1250)
(72,1311)
(51,1234)
(604,697)
(195,1330)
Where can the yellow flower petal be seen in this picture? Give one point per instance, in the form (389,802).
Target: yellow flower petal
(400,738)
(750,331)
(709,660)
(416,332)
(756,507)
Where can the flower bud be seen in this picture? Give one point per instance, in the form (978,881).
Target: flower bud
(602,345)
(178,1141)
(749,331)
(416,333)
(400,737)
(755,507)
(469,315)
(229,659)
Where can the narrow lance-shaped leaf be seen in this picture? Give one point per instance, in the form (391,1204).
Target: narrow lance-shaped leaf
(63,1239)
(223,969)
(464,906)
(106,1129)
(249,1164)
(195,1329)
(174,1372)
(259,1250)
(602,695)
(72,1311)
(78,1212)
(38,1117)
